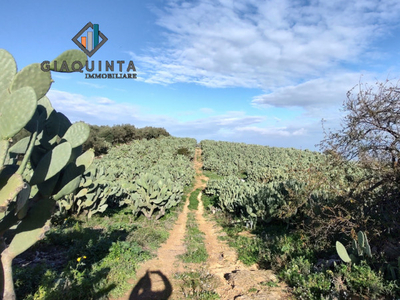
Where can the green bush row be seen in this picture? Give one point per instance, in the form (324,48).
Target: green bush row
(102,138)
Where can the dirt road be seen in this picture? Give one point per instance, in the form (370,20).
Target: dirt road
(156,278)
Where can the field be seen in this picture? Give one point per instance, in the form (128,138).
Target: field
(256,195)
(90,212)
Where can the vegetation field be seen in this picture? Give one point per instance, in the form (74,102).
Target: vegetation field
(89,212)
(298,205)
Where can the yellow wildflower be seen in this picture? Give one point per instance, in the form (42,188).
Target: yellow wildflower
(78,259)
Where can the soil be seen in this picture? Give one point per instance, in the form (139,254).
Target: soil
(156,278)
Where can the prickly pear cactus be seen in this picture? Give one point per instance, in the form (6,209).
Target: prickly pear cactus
(154,195)
(92,194)
(360,247)
(40,169)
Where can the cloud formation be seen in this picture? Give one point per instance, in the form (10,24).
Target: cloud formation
(263,44)
(315,93)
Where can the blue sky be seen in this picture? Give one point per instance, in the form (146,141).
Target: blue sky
(262,72)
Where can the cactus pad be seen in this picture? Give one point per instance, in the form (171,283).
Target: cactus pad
(68,188)
(85,159)
(8,69)
(34,77)
(45,103)
(52,163)
(16,111)
(69,57)
(342,252)
(22,201)
(32,228)
(77,134)
(14,185)
(21,146)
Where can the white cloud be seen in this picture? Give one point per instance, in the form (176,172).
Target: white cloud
(303,131)
(104,111)
(312,94)
(94,110)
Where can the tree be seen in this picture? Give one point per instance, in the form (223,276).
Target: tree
(370,130)
(370,136)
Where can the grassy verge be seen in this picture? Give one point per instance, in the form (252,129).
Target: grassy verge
(194,240)
(90,259)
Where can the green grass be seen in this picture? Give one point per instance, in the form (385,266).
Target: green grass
(194,240)
(109,249)
(252,290)
(199,285)
(270,284)
(193,202)
(212,175)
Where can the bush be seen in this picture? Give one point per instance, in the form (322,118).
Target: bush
(102,138)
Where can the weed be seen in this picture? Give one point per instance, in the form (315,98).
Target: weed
(252,290)
(208,201)
(198,285)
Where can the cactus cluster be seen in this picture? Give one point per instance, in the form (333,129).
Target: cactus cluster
(261,183)
(39,169)
(153,194)
(126,174)
(360,247)
(91,196)
(254,201)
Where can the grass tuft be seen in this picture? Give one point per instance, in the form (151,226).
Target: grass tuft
(199,285)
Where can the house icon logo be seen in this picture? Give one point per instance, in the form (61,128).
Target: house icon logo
(91,42)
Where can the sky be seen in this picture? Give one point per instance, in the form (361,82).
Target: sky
(260,72)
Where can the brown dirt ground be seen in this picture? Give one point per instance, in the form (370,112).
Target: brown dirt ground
(155,278)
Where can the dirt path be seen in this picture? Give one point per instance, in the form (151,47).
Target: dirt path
(156,280)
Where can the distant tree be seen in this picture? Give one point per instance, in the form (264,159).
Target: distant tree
(130,132)
(106,132)
(102,138)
